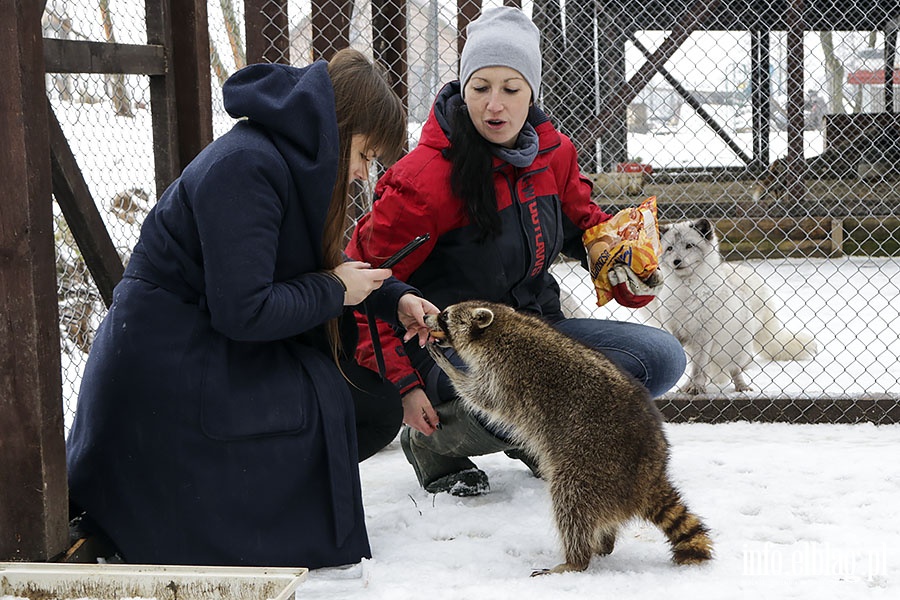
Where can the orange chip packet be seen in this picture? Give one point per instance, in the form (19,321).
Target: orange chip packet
(630,237)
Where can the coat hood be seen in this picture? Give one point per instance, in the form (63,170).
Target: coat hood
(297,104)
(296,107)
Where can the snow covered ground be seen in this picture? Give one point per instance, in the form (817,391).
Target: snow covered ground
(796,512)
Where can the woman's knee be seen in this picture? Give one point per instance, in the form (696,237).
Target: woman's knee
(651,355)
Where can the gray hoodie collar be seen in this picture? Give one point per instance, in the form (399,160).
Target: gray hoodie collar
(526,148)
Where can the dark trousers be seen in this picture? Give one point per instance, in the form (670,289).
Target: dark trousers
(379,412)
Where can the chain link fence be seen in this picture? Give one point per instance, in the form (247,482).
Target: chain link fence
(786,138)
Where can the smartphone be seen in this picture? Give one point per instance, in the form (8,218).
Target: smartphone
(405,251)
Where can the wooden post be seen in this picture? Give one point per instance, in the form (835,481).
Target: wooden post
(794,184)
(466,12)
(191,70)
(836,236)
(34,507)
(760,97)
(389,43)
(266,22)
(890,51)
(162,98)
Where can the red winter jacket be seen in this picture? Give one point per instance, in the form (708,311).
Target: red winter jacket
(544,209)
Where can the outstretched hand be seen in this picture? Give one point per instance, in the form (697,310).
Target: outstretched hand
(411,311)
(418,412)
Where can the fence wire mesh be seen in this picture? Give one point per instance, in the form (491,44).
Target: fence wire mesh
(779,127)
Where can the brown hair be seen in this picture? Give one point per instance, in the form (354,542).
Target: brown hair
(365,105)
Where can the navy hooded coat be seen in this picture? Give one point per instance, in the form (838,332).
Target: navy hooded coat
(213,426)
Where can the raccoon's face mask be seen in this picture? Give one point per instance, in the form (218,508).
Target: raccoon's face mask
(458,321)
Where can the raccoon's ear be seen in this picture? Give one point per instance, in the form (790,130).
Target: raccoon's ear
(704,226)
(482,317)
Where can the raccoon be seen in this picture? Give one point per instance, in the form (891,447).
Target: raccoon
(593,428)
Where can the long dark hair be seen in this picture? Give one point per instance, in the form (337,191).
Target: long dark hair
(472,173)
(365,105)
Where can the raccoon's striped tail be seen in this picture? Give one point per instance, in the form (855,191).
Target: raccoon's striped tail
(688,536)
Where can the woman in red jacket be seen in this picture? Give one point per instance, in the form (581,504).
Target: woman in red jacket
(499,191)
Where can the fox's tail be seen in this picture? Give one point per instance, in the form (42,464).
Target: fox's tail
(777,342)
(774,341)
(687,535)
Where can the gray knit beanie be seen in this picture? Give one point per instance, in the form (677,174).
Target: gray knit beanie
(502,37)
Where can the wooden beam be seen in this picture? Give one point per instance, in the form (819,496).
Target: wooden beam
(795,162)
(34,510)
(191,70)
(695,104)
(81,214)
(760,97)
(728,409)
(78,56)
(890,51)
(163,106)
(330,27)
(688,22)
(268,39)
(466,12)
(389,44)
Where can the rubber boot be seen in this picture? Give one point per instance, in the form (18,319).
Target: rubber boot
(530,461)
(440,460)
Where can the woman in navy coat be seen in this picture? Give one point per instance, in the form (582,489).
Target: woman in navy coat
(216,421)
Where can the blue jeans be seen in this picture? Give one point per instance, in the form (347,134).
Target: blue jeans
(652,355)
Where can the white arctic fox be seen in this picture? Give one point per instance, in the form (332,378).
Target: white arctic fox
(721,313)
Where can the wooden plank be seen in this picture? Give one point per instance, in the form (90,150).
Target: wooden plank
(81,213)
(191,70)
(268,39)
(34,511)
(79,56)
(726,409)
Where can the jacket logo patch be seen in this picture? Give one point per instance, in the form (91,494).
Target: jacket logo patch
(540,254)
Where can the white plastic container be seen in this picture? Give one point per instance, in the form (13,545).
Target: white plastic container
(163,582)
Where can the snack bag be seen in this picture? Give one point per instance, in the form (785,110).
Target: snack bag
(623,254)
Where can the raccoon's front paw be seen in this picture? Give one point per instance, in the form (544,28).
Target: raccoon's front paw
(560,568)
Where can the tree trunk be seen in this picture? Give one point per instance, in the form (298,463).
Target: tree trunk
(217,66)
(233,29)
(115,82)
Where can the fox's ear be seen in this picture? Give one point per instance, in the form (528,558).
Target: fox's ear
(664,228)
(704,226)
(482,317)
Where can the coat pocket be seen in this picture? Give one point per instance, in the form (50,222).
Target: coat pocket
(251,390)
